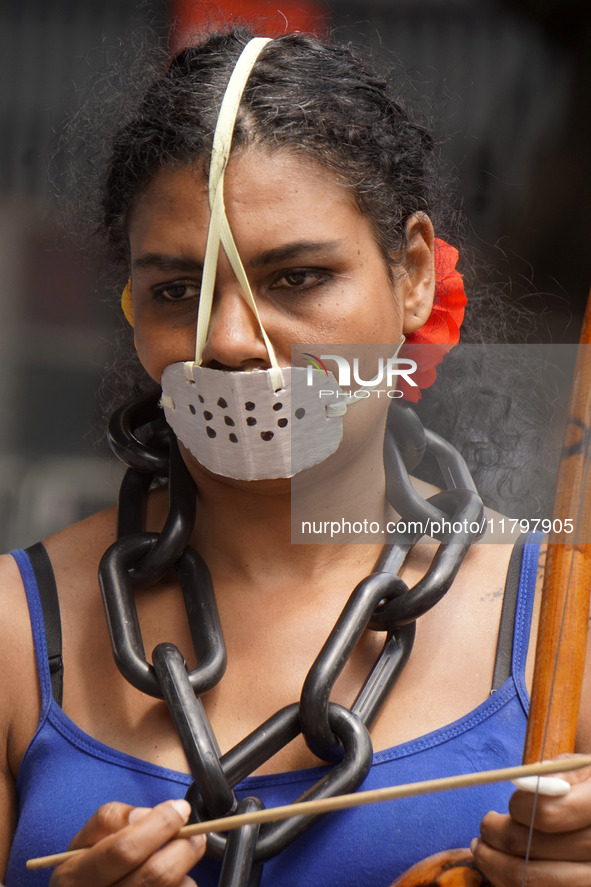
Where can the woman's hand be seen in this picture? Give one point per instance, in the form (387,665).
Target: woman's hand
(560,850)
(126,848)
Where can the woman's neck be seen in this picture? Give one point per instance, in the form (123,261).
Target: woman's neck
(253,532)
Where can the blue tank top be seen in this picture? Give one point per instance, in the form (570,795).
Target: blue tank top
(66,774)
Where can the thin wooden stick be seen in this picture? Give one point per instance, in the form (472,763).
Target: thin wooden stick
(357,799)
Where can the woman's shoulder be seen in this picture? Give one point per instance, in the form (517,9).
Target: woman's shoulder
(19,687)
(74,546)
(75,553)
(82,544)
(74,550)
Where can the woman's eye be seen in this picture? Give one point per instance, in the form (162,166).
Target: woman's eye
(175,292)
(299,279)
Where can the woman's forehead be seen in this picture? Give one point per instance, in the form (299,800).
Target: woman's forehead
(265,193)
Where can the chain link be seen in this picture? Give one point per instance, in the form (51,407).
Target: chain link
(380,602)
(116,578)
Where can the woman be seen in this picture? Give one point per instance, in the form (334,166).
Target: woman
(327,200)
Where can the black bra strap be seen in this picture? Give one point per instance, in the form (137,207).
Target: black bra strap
(51,616)
(504,655)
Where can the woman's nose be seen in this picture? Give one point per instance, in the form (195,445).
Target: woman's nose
(234,338)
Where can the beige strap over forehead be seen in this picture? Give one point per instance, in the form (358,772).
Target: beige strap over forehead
(219,228)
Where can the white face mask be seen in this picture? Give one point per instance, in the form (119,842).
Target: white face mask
(237,425)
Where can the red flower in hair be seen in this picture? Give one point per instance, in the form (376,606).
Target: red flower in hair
(442,330)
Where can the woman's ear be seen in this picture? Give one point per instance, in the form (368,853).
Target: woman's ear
(420,273)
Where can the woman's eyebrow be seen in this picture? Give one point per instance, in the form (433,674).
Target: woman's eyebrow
(167,262)
(292,251)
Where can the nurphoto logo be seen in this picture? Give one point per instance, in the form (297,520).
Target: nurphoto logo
(389,371)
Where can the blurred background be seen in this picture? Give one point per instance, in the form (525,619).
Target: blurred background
(509,84)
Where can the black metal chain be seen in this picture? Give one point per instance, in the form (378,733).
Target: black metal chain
(380,602)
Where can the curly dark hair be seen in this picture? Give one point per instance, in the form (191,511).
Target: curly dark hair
(319,99)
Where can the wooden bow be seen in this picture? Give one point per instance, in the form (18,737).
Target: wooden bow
(564,616)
